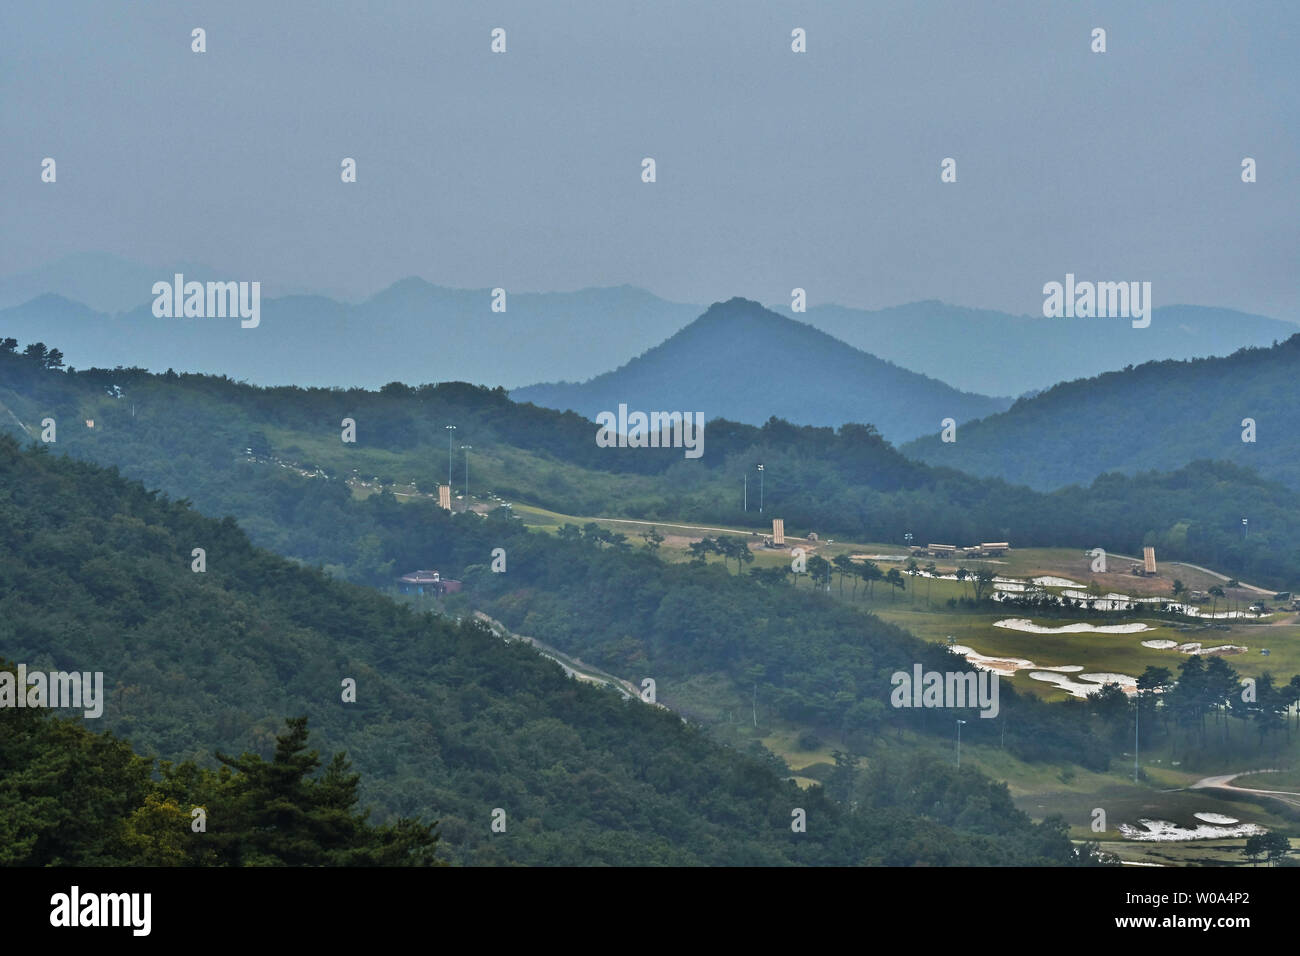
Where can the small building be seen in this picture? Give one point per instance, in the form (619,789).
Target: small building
(427,582)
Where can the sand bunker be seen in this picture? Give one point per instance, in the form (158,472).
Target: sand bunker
(1085,596)
(1087,684)
(1160,645)
(1165,831)
(1217,818)
(1008,665)
(1023,624)
(1195,647)
(1055,582)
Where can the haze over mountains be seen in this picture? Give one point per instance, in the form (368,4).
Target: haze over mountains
(411,331)
(746,363)
(1160,415)
(994,353)
(98,308)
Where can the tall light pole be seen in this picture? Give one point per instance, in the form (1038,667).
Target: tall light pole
(466,449)
(760,489)
(959,723)
(747,493)
(1137,720)
(451,430)
(1245,529)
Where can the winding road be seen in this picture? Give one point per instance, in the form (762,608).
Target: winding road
(1224,782)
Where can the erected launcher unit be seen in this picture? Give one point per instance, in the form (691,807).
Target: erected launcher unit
(1147,569)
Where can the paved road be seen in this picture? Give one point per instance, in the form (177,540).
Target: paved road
(688,527)
(1224,782)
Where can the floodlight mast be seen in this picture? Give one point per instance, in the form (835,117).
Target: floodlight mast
(451,430)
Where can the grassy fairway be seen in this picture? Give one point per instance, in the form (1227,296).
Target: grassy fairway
(1039,789)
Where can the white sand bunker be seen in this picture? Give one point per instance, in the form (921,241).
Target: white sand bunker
(1007,665)
(1086,596)
(1087,684)
(1195,647)
(1107,678)
(1023,624)
(1054,582)
(1010,586)
(1165,831)
(1160,645)
(1192,611)
(1003,665)
(1217,818)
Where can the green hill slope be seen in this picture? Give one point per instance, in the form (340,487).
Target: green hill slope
(1161,415)
(450,722)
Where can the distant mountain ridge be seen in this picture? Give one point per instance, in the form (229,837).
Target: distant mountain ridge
(1160,415)
(410,332)
(994,353)
(746,363)
(97,306)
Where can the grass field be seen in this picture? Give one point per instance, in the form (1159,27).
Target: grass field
(1040,789)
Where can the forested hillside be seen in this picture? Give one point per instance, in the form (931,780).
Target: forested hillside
(188,435)
(72,797)
(746,363)
(1161,415)
(449,724)
(806,659)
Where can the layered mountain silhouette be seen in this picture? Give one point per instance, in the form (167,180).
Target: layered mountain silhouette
(97,306)
(410,332)
(1160,415)
(995,353)
(746,363)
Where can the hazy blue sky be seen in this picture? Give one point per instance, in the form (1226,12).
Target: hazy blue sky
(775,170)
